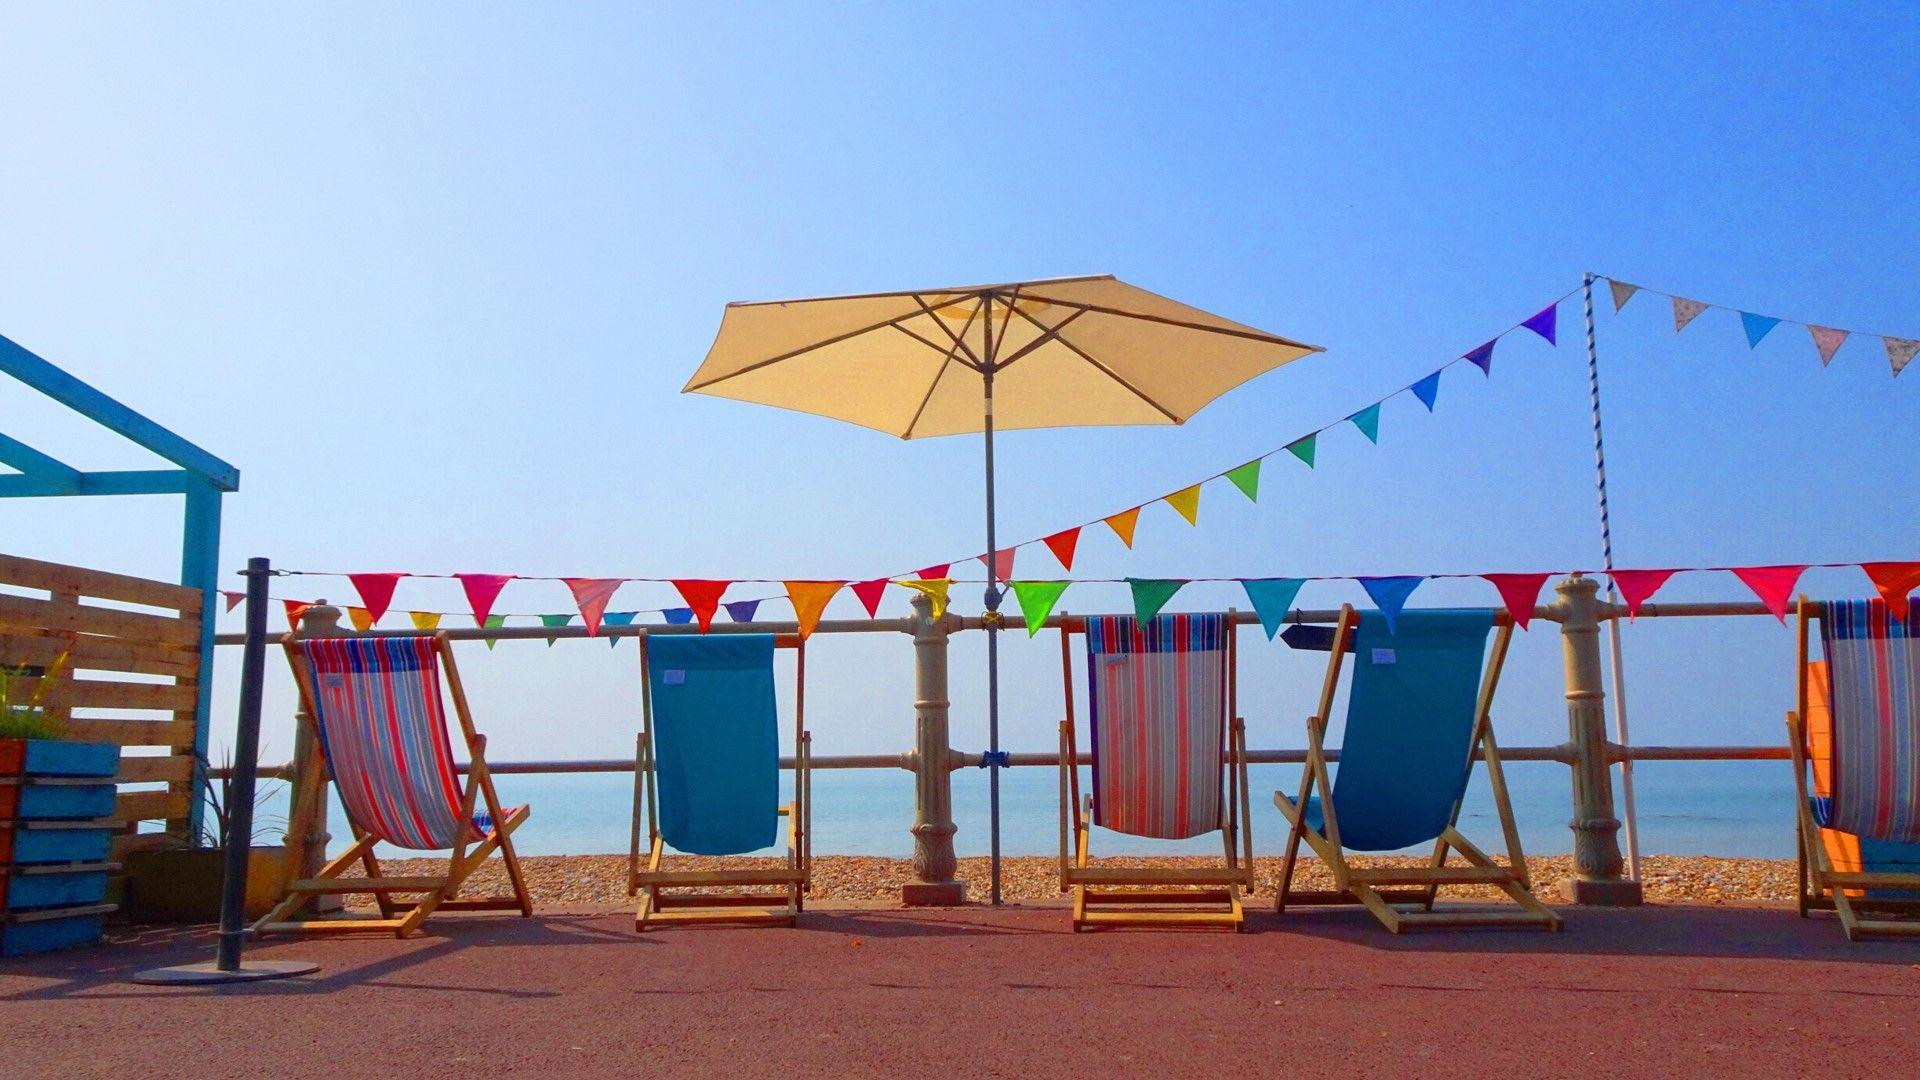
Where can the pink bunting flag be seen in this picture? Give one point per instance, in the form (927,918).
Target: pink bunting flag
(1772,584)
(1828,341)
(1900,352)
(869,594)
(1062,545)
(1894,581)
(703,597)
(1685,311)
(376,591)
(1520,593)
(592,595)
(934,572)
(1637,585)
(1002,565)
(233,598)
(482,590)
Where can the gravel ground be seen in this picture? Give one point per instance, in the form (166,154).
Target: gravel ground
(561,880)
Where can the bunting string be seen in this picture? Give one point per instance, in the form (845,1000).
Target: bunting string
(1755,326)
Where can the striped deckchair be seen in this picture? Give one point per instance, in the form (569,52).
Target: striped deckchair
(1855,739)
(707,778)
(376,705)
(1415,725)
(1169,762)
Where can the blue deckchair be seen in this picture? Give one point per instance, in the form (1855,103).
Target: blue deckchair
(1416,721)
(707,776)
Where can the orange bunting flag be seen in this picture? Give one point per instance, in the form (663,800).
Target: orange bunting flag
(425,621)
(934,589)
(809,601)
(870,593)
(1122,524)
(1002,564)
(701,595)
(591,596)
(1894,581)
(233,598)
(376,591)
(482,590)
(361,618)
(295,609)
(1062,545)
(1187,501)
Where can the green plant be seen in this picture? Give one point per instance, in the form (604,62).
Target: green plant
(26,719)
(217,793)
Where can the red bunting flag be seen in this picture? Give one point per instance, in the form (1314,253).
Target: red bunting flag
(1637,585)
(1520,593)
(295,609)
(233,598)
(703,596)
(482,590)
(869,593)
(1772,584)
(934,572)
(1002,564)
(592,595)
(376,591)
(1062,545)
(1894,581)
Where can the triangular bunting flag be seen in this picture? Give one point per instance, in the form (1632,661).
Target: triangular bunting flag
(1622,292)
(1036,600)
(376,591)
(482,590)
(1900,352)
(592,595)
(1122,524)
(1187,502)
(703,597)
(742,610)
(1772,584)
(1390,594)
(928,573)
(1303,448)
(1002,565)
(1247,479)
(1519,594)
(809,600)
(1894,581)
(233,598)
(295,609)
(1272,597)
(1637,585)
(425,621)
(1828,341)
(618,618)
(678,616)
(554,620)
(869,594)
(1757,326)
(1482,357)
(1062,544)
(1368,421)
(1544,322)
(361,618)
(1427,390)
(934,589)
(492,621)
(1685,311)
(1150,595)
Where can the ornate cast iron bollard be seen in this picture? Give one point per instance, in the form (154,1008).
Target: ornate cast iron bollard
(307,837)
(1596,848)
(933,828)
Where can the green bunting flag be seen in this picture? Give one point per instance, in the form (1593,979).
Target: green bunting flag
(493,621)
(1036,600)
(1303,449)
(1247,479)
(1150,595)
(1368,421)
(554,620)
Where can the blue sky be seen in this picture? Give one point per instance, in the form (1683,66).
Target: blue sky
(432,279)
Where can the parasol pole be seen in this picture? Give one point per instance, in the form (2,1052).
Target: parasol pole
(992,625)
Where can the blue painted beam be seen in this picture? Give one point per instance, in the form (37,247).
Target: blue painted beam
(132,482)
(24,365)
(34,463)
(200,568)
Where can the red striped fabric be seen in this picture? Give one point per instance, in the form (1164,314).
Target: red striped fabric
(1157,705)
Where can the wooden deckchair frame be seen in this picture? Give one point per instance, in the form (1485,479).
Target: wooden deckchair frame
(437,893)
(1821,887)
(1403,898)
(1155,896)
(777,895)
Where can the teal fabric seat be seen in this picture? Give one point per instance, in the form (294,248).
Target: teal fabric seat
(716,742)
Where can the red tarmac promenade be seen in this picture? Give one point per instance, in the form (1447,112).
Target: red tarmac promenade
(1670,991)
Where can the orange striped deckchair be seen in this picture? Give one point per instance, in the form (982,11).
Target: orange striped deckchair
(376,705)
(1169,762)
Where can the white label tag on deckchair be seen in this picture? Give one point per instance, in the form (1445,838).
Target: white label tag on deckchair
(673,676)
(1383,656)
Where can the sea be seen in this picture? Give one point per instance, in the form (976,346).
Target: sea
(1738,809)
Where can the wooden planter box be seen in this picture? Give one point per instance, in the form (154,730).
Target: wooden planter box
(183,885)
(56,832)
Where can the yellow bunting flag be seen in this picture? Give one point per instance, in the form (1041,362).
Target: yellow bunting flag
(1187,501)
(425,620)
(1122,524)
(934,589)
(809,600)
(361,618)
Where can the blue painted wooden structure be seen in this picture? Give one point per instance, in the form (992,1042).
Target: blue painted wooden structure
(201,479)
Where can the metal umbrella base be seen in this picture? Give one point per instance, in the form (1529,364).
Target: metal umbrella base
(210,973)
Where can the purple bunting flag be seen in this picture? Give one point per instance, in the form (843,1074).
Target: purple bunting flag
(742,610)
(1545,322)
(1482,358)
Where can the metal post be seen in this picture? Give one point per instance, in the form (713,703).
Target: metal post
(1596,851)
(993,625)
(227,966)
(933,828)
